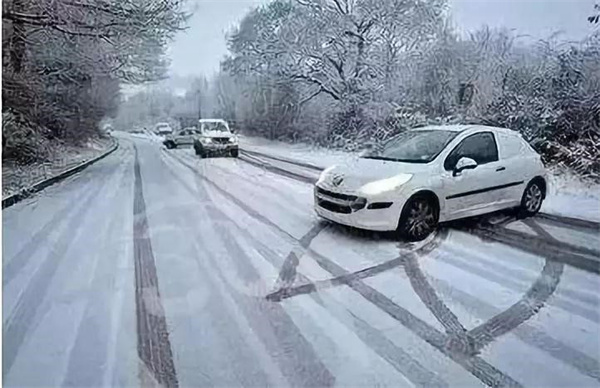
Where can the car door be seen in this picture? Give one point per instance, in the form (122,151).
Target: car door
(473,191)
(189,137)
(183,137)
(177,137)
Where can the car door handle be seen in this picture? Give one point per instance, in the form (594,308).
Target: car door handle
(501,169)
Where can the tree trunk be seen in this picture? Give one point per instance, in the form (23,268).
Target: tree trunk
(17,39)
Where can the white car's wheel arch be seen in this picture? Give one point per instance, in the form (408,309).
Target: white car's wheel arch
(425,191)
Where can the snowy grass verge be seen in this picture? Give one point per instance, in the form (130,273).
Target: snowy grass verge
(18,181)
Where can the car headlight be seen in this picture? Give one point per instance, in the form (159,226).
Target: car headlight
(384,185)
(325,174)
(233,140)
(205,140)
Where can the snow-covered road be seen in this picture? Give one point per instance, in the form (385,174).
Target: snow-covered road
(156,268)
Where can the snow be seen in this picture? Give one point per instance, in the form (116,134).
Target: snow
(319,157)
(16,177)
(148,135)
(221,232)
(567,194)
(570,196)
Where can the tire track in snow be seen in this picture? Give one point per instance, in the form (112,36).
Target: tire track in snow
(525,332)
(154,347)
(475,365)
(19,322)
(14,265)
(478,367)
(286,345)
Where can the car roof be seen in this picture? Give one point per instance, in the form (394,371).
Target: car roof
(211,121)
(464,128)
(453,128)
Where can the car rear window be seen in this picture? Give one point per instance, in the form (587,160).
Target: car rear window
(512,146)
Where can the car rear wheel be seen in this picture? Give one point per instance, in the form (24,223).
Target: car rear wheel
(419,218)
(532,199)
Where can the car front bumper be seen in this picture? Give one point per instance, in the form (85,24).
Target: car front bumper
(341,211)
(212,147)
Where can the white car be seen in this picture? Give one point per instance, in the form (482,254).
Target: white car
(433,174)
(163,129)
(215,138)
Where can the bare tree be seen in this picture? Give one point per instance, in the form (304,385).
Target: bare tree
(65,59)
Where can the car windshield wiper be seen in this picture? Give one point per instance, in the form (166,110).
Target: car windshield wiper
(381,158)
(396,159)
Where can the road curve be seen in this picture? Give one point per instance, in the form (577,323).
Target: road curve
(156,268)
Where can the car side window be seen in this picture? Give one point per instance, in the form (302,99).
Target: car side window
(481,147)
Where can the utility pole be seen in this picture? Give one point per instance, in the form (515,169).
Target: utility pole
(199,97)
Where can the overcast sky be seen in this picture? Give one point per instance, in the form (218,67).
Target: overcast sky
(200,49)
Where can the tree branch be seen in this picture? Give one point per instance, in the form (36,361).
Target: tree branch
(94,7)
(17,15)
(339,66)
(321,85)
(339,7)
(308,98)
(78,33)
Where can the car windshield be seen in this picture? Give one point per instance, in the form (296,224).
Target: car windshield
(418,146)
(215,126)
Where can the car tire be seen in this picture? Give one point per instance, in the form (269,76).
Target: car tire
(168,145)
(234,153)
(533,196)
(419,218)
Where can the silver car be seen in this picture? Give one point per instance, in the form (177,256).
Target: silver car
(184,137)
(215,137)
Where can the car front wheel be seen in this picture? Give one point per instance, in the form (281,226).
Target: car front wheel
(419,218)
(532,199)
(198,150)
(235,152)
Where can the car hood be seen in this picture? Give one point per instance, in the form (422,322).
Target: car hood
(217,134)
(360,171)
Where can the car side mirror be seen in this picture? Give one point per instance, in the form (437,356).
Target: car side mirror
(464,164)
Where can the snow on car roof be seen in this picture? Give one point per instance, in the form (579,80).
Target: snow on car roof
(211,120)
(454,128)
(462,128)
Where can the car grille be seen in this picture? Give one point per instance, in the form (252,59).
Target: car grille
(337,202)
(341,196)
(220,140)
(332,207)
